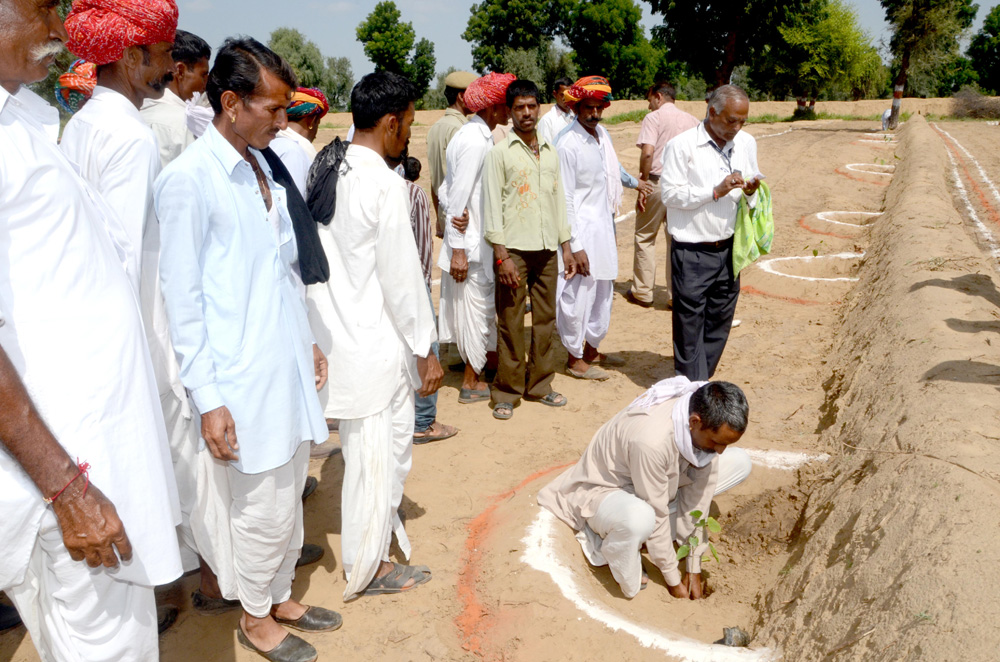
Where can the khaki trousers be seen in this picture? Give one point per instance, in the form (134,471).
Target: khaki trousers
(647,226)
(517,378)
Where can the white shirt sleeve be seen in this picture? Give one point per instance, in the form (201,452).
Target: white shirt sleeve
(567,170)
(675,184)
(184,224)
(463,172)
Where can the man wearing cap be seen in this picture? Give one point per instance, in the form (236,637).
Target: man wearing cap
(167,116)
(664,122)
(468,310)
(441,133)
(591,177)
(84,466)
(294,144)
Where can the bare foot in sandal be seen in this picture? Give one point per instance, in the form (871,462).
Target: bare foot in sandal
(396,578)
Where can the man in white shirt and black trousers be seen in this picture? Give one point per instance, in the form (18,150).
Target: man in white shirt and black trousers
(706,170)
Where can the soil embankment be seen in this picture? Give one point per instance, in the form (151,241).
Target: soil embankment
(898,552)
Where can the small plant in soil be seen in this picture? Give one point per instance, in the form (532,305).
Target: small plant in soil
(700,524)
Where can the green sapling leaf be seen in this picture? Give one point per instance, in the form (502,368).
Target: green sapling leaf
(712,547)
(696,514)
(683,551)
(713,525)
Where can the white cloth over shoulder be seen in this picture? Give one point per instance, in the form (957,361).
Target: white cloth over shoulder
(75,338)
(297,154)
(552,124)
(668,389)
(199,114)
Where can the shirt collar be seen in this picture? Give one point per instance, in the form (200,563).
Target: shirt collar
(514,138)
(481,123)
(366,154)
(116,100)
(456,113)
(39,111)
(704,138)
(168,99)
(227,154)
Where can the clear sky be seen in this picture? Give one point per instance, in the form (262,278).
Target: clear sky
(331,23)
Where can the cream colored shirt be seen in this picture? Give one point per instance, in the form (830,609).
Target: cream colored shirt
(635,452)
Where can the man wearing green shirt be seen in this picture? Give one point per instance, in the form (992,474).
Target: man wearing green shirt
(441,132)
(525,221)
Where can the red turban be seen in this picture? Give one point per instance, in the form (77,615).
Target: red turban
(488,91)
(100,30)
(74,88)
(589,87)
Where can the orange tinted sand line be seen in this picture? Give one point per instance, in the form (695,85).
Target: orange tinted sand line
(983,200)
(475,622)
(859,179)
(750,289)
(802,223)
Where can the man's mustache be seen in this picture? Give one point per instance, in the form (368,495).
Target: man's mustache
(46,50)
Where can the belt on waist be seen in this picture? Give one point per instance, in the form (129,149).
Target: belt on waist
(704,245)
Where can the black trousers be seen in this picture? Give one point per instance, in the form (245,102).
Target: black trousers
(705,295)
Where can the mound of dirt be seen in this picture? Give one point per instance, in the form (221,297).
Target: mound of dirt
(898,550)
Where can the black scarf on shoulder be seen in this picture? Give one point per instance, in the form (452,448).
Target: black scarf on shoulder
(322,183)
(313,264)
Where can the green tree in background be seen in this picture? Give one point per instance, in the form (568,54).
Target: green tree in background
(822,53)
(332,75)
(434,98)
(499,26)
(713,37)
(392,45)
(925,34)
(984,52)
(543,65)
(608,39)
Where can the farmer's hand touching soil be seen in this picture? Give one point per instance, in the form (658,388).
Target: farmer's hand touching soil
(695,589)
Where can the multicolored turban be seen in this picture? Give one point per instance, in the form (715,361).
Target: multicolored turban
(308,102)
(487,91)
(74,87)
(100,30)
(589,87)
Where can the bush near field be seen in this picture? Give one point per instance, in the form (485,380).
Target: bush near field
(969,103)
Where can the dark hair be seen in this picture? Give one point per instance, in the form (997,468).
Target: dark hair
(190,48)
(379,94)
(721,403)
(663,88)
(411,168)
(561,82)
(238,67)
(522,88)
(451,94)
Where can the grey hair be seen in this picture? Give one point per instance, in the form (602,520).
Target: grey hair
(721,403)
(720,96)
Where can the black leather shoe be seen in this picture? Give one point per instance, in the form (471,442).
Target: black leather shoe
(631,299)
(208,606)
(316,619)
(311,485)
(166,615)
(309,554)
(291,649)
(9,618)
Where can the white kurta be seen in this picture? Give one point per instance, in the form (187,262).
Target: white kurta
(372,318)
(591,181)
(553,122)
(297,154)
(118,154)
(73,332)
(167,117)
(467,309)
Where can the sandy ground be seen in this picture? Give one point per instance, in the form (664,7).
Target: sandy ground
(470,500)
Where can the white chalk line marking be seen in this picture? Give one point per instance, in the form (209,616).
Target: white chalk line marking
(982,173)
(774,135)
(878,134)
(767,265)
(881,142)
(823,216)
(540,554)
(983,230)
(888,169)
(625,217)
(785,460)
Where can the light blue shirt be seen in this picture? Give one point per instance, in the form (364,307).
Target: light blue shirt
(237,319)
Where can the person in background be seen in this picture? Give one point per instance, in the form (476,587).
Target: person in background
(441,133)
(560,115)
(294,144)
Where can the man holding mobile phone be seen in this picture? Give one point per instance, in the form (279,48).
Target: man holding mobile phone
(702,181)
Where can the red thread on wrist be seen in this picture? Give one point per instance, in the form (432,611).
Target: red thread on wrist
(500,261)
(84,469)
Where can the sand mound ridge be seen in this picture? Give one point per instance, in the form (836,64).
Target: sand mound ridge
(897,554)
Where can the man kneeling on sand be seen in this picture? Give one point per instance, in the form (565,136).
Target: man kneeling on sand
(644,473)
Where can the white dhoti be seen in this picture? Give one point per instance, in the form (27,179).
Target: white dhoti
(183,436)
(446,322)
(474,304)
(378,454)
(78,614)
(248,528)
(583,312)
(623,522)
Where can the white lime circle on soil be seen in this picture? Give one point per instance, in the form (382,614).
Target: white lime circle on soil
(886,169)
(828,217)
(770,266)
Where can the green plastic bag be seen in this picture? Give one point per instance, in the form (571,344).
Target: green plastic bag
(754,230)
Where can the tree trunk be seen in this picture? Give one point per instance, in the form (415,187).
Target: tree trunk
(725,74)
(897,90)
